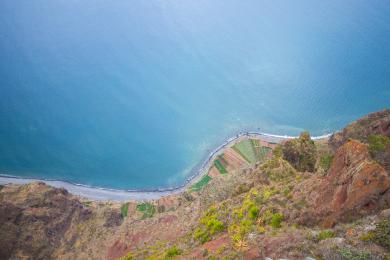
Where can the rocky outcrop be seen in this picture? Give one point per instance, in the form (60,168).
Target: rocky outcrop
(34,219)
(355,186)
(377,123)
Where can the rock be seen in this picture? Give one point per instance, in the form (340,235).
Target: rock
(385,213)
(375,123)
(34,219)
(355,185)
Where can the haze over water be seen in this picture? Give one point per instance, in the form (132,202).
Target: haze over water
(133,94)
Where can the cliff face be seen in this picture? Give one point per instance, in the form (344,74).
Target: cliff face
(355,185)
(307,199)
(34,219)
(377,123)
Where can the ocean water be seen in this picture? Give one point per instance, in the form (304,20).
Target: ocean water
(134,94)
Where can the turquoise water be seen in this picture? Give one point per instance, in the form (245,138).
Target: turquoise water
(133,94)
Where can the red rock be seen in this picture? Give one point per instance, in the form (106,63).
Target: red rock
(355,184)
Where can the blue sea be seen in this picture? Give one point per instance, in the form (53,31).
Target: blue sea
(135,94)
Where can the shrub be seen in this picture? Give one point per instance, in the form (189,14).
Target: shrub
(324,234)
(326,161)
(214,226)
(124,209)
(172,252)
(202,235)
(209,225)
(382,233)
(349,254)
(301,153)
(276,220)
(253,212)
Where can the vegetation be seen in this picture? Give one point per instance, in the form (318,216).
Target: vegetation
(276,220)
(381,234)
(124,209)
(147,209)
(379,148)
(200,184)
(378,143)
(273,219)
(301,153)
(326,161)
(246,150)
(324,234)
(349,254)
(172,252)
(209,225)
(220,167)
(277,169)
(261,152)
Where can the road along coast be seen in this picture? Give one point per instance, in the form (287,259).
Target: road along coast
(97,193)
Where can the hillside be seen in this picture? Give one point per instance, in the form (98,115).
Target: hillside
(327,199)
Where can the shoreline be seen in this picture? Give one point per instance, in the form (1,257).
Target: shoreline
(107,194)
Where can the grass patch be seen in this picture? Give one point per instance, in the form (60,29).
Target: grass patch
(124,209)
(220,167)
(200,184)
(147,209)
(378,143)
(324,234)
(172,252)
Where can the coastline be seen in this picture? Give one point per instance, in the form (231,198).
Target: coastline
(107,194)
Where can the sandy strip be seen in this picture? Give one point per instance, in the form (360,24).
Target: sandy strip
(95,193)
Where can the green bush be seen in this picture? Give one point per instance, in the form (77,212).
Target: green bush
(214,226)
(276,220)
(382,233)
(172,252)
(326,161)
(301,153)
(124,209)
(202,235)
(324,234)
(253,212)
(349,254)
(209,225)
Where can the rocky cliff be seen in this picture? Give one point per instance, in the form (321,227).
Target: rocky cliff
(324,200)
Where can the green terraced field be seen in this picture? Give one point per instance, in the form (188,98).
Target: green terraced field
(246,150)
(220,167)
(251,150)
(200,184)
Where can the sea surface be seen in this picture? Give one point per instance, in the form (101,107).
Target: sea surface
(135,94)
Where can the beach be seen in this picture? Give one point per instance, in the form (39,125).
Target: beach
(106,194)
